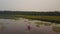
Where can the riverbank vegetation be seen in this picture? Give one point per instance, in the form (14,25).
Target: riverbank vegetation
(43,16)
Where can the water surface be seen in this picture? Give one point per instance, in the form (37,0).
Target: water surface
(9,26)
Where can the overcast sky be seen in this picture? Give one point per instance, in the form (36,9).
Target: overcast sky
(30,5)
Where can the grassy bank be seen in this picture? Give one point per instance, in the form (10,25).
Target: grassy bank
(55,19)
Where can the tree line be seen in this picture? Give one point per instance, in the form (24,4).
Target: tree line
(55,13)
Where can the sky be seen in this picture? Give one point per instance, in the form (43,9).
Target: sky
(30,5)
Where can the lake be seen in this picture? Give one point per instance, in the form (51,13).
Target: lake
(10,26)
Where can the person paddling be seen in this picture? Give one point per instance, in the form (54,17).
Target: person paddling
(29,27)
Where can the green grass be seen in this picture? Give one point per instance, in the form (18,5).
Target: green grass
(43,18)
(45,24)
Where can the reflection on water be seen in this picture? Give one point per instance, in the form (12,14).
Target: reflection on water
(47,24)
(2,27)
(56,29)
(25,26)
(37,25)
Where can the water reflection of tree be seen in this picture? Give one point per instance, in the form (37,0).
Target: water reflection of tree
(2,26)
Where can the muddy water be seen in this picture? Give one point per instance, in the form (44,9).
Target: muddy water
(9,26)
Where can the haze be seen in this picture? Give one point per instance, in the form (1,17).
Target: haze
(30,5)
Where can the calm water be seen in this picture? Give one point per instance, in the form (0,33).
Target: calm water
(9,26)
